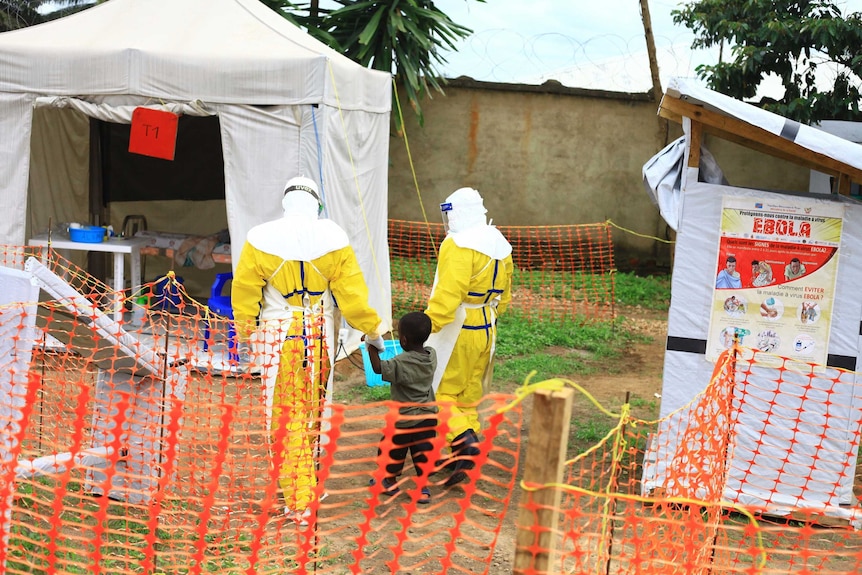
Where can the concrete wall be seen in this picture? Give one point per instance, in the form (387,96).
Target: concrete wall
(544,155)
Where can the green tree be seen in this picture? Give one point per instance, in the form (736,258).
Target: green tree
(15,14)
(407,37)
(789,38)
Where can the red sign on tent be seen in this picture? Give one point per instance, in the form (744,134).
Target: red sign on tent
(154,133)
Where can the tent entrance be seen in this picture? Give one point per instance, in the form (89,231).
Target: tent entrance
(166,192)
(81,171)
(196,173)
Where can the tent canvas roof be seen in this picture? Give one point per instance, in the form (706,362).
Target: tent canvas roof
(764,131)
(225,51)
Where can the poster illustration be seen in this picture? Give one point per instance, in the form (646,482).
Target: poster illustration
(775,276)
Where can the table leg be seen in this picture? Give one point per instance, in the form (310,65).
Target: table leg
(135,272)
(119,265)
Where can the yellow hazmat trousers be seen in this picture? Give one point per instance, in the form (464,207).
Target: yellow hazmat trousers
(304,363)
(484,286)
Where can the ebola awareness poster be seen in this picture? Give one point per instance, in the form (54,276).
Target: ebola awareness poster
(775,276)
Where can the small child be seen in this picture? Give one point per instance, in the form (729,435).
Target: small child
(410,375)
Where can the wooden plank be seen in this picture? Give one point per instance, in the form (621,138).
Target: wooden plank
(668,115)
(696,139)
(736,139)
(756,138)
(842,184)
(539,510)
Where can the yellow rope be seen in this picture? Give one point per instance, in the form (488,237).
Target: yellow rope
(412,167)
(554,384)
(611,223)
(671,500)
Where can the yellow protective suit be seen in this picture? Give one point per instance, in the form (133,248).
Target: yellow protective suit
(303,366)
(483,286)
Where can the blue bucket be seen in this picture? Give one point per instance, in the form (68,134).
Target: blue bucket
(393,348)
(87,234)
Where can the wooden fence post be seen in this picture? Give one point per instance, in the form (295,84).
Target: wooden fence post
(538,513)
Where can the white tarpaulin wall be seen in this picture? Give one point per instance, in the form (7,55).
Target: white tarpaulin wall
(287,106)
(696,213)
(687,370)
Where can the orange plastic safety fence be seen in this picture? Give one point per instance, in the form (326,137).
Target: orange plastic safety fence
(143,446)
(758,474)
(561,272)
(132,447)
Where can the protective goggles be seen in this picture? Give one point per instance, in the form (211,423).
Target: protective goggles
(308,189)
(445,211)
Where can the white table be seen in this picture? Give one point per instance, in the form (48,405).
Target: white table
(118,247)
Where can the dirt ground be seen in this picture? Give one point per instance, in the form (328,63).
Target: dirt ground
(638,373)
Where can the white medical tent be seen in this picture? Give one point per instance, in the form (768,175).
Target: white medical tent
(696,200)
(286,105)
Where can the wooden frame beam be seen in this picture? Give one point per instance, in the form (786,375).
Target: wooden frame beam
(756,138)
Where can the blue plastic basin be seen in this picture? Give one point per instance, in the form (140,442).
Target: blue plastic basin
(393,348)
(87,234)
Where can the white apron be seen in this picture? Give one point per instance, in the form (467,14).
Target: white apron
(268,339)
(444,340)
(293,238)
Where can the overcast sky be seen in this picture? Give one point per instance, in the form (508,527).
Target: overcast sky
(517,41)
(582,43)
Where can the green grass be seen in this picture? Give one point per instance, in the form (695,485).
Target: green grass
(518,336)
(592,431)
(376,393)
(650,292)
(639,404)
(512,372)
(562,349)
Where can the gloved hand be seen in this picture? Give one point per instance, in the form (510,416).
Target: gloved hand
(376,342)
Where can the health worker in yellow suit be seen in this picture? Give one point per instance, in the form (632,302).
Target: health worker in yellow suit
(472,286)
(290,273)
